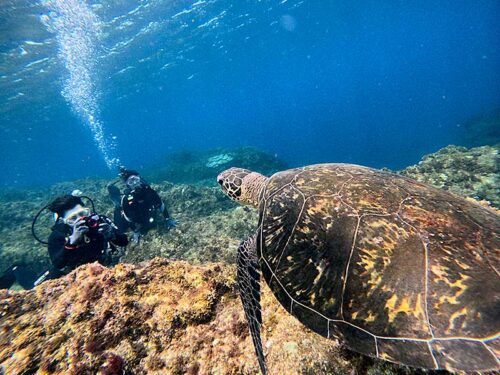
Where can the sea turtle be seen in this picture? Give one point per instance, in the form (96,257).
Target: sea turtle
(394,268)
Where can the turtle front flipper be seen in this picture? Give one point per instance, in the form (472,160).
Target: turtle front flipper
(248,273)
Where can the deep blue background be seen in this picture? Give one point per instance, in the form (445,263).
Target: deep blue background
(378,83)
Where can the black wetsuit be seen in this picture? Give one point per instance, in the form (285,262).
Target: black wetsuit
(21,273)
(66,257)
(137,209)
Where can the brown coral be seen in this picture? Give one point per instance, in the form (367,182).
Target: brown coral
(158,317)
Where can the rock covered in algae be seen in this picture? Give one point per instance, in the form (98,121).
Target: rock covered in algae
(158,317)
(470,173)
(201,167)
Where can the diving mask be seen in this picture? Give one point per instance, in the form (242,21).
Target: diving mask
(134,182)
(73,215)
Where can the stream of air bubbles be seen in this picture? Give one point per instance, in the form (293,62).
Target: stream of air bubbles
(77,30)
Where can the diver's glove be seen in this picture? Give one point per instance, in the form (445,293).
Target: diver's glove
(170,223)
(79,229)
(107,231)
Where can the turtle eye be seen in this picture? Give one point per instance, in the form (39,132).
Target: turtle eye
(220,181)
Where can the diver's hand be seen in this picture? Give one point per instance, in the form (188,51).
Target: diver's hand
(107,231)
(171,223)
(136,237)
(79,229)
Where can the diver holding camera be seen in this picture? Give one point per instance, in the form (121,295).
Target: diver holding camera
(81,236)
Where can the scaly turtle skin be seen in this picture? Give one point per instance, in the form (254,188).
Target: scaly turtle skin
(394,268)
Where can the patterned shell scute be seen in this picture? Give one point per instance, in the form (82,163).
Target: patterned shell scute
(393,267)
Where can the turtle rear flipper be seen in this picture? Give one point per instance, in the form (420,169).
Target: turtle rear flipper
(248,273)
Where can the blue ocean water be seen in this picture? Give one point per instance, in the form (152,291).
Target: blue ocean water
(87,85)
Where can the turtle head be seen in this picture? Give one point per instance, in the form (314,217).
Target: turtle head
(242,185)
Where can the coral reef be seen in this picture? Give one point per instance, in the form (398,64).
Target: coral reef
(201,167)
(470,173)
(158,317)
(170,316)
(210,225)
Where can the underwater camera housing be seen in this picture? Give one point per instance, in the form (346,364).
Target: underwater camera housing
(92,222)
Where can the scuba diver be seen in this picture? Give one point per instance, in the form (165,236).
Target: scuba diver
(78,236)
(139,207)
(81,236)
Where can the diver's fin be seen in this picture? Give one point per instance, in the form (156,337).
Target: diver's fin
(249,286)
(115,195)
(7,278)
(25,276)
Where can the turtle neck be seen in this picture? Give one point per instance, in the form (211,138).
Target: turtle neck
(252,186)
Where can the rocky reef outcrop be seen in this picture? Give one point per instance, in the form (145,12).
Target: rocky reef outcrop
(158,317)
(202,167)
(470,173)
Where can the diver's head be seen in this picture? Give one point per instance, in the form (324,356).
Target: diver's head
(68,208)
(242,185)
(134,182)
(131,178)
(126,173)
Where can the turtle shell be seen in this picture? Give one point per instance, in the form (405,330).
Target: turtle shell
(392,267)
